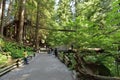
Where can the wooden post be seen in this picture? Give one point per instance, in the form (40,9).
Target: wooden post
(17,63)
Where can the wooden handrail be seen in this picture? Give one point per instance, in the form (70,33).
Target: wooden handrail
(7,69)
(1,66)
(82,71)
(16,64)
(80,68)
(65,59)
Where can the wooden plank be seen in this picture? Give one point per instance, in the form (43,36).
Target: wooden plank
(6,71)
(1,70)
(10,67)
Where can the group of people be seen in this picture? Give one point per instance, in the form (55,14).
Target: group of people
(53,51)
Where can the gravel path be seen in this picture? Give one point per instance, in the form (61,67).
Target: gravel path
(42,67)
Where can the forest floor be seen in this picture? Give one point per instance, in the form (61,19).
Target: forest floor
(41,67)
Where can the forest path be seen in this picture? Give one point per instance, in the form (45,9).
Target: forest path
(42,67)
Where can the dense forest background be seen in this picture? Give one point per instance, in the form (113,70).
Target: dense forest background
(28,24)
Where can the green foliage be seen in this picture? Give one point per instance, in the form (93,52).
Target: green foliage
(13,48)
(1,42)
(110,63)
(113,16)
(72,66)
(16,50)
(3,59)
(97,26)
(71,58)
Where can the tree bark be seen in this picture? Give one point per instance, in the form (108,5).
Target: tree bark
(2,16)
(37,28)
(21,21)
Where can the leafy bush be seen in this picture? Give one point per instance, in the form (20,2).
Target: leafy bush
(16,50)
(3,59)
(1,42)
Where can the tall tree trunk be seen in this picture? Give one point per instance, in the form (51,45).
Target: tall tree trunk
(25,27)
(1,2)
(21,21)
(2,16)
(7,20)
(37,27)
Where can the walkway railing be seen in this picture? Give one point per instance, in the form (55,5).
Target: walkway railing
(80,70)
(10,67)
(65,59)
(14,65)
(83,72)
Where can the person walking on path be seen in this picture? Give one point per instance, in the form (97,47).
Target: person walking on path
(25,57)
(56,52)
(49,51)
